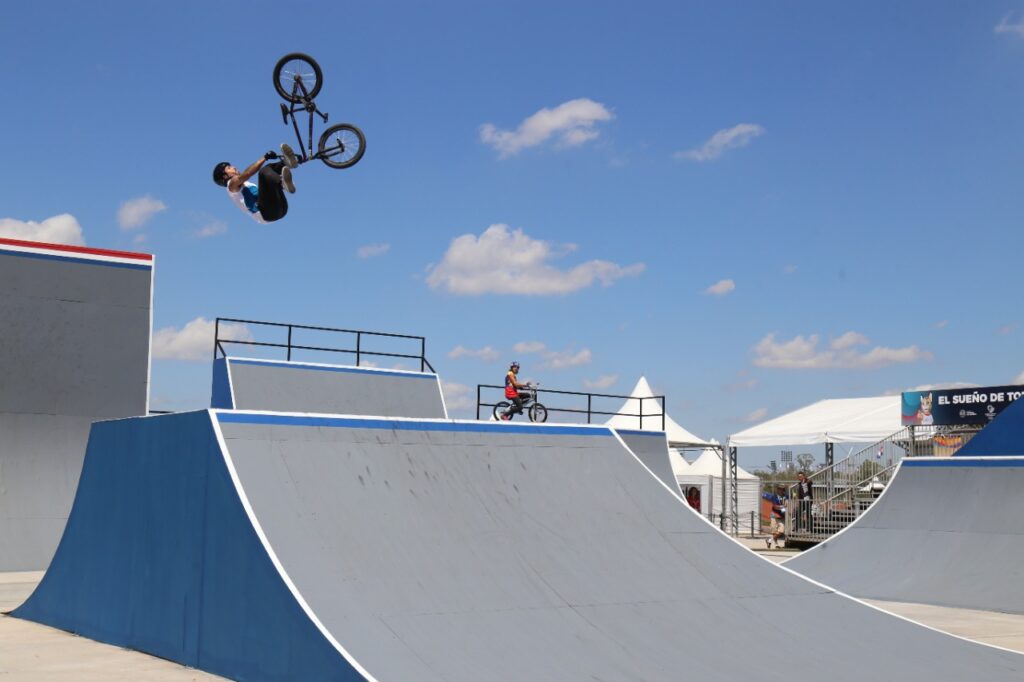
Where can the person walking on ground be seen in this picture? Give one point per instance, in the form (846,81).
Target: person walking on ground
(264,202)
(778,515)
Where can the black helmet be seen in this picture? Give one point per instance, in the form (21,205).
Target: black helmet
(514,364)
(218,173)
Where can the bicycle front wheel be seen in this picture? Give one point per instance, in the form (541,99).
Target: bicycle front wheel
(538,413)
(342,145)
(501,408)
(297,77)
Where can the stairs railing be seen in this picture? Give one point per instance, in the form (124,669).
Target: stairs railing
(845,490)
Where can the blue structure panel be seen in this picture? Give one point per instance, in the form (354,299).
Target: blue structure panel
(221,393)
(1004,437)
(160,556)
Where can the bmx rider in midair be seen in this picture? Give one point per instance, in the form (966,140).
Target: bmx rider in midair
(264,202)
(512,392)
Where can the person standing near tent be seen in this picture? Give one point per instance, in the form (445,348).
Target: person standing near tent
(693,498)
(805,498)
(778,514)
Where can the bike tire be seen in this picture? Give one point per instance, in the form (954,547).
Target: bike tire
(538,413)
(501,407)
(288,68)
(342,145)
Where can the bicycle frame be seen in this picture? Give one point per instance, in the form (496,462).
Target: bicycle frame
(307,104)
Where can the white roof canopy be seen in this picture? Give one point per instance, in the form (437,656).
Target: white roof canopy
(849,420)
(628,418)
(710,464)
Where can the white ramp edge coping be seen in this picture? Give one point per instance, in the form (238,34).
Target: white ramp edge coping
(332,367)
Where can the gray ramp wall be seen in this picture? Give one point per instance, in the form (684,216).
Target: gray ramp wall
(651,448)
(74,348)
(947,531)
(468,551)
(333,389)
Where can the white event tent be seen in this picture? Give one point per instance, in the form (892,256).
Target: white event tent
(848,420)
(642,398)
(706,474)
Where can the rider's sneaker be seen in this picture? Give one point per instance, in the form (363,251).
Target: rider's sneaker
(286,179)
(290,159)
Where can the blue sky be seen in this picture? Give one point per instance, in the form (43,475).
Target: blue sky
(756,205)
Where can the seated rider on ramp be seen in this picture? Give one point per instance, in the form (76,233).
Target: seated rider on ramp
(512,388)
(264,202)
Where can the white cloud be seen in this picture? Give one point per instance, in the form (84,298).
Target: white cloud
(1005,26)
(457,396)
(575,122)
(603,381)
(721,287)
(212,229)
(843,352)
(728,138)
(561,360)
(742,385)
(941,324)
(487,354)
(371,250)
(137,212)
(1019,379)
(789,269)
(194,341)
(528,347)
(60,229)
(503,261)
(757,415)
(554,359)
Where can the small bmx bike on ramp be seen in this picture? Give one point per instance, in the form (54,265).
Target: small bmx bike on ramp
(534,410)
(298,79)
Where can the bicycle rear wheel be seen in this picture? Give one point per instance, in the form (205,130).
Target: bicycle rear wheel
(501,407)
(538,413)
(342,145)
(297,77)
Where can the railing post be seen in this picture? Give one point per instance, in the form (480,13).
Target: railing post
(641,414)
(289,343)
(589,399)
(423,353)
(359,340)
(216,337)
(478,402)
(662,413)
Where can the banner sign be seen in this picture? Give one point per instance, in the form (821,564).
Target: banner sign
(957,406)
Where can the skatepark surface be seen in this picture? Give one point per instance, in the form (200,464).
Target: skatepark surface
(438,550)
(947,531)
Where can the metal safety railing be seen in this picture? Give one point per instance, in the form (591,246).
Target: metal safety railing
(843,491)
(290,344)
(643,418)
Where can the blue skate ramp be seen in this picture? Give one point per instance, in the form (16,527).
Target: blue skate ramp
(299,547)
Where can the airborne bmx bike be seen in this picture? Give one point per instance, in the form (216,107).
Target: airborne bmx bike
(298,79)
(534,410)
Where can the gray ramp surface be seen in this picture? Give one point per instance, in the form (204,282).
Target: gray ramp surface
(74,348)
(333,389)
(947,531)
(476,551)
(651,448)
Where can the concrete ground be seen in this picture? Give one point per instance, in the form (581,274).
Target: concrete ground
(989,627)
(30,652)
(33,652)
